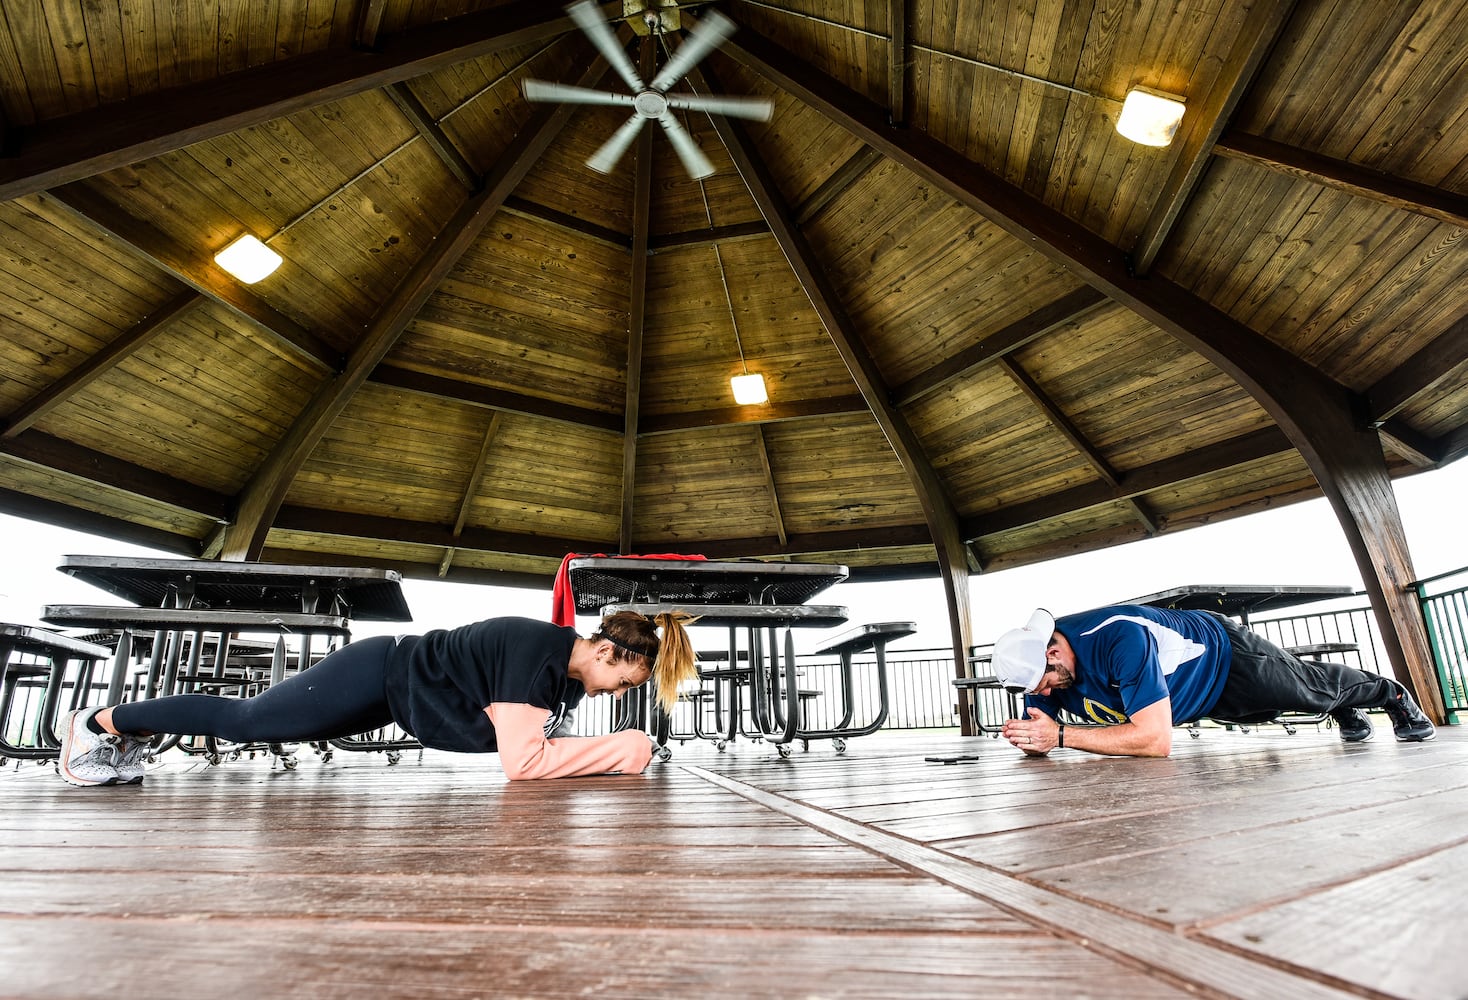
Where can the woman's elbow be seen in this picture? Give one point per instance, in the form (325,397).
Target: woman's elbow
(520,767)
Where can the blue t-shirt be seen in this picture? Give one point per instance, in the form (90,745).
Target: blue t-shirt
(1130,656)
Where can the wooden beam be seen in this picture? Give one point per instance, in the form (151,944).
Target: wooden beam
(475,394)
(636,308)
(195,269)
(855,167)
(770,413)
(1205,122)
(1364,182)
(113,135)
(1137,482)
(1067,309)
(762,451)
(938,509)
(1073,434)
(58,455)
(1060,421)
(1318,414)
(897,67)
(442,145)
(471,489)
(266,490)
(530,210)
(377,528)
(1444,358)
(92,523)
(1414,447)
(369,23)
(712,236)
(99,364)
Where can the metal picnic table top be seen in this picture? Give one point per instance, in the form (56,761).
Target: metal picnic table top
(360,593)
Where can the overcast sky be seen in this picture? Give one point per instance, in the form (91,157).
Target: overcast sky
(1299,544)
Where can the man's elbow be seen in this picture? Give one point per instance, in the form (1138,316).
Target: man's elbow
(1159,746)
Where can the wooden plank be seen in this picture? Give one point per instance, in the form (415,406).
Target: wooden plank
(1370,941)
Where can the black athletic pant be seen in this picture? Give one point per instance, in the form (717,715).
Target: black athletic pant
(1265,680)
(343,694)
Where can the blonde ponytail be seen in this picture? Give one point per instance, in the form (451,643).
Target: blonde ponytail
(676,661)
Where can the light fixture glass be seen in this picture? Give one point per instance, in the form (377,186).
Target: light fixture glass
(1150,117)
(749,389)
(248,259)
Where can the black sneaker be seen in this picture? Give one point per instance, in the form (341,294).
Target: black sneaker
(1408,722)
(1353,724)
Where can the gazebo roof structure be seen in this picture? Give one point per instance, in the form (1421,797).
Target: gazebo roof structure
(993,330)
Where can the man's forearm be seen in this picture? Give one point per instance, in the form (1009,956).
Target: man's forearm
(1126,739)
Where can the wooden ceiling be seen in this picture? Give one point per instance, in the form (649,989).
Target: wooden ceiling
(979,309)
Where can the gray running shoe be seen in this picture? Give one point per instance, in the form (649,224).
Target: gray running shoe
(1355,727)
(131,757)
(1408,722)
(86,758)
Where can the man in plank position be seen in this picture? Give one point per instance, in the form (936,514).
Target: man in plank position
(1138,671)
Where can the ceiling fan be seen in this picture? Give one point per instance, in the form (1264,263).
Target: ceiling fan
(651,101)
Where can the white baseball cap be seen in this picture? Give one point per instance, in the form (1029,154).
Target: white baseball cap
(1019,654)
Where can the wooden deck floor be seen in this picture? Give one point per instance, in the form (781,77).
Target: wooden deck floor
(1248,865)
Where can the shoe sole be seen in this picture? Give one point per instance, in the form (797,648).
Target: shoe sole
(1417,739)
(1358,739)
(66,773)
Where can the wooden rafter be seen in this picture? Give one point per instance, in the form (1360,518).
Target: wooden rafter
(1138,482)
(1318,414)
(636,308)
(772,412)
(1445,357)
(433,134)
(938,508)
(1062,423)
(530,210)
(69,459)
(712,236)
(855,167)
(99,364)
(897,62)
(477,394)
(471,490)
(762,451)
(265,492)
(48,452)
(1423,199)
(1067,309)
(66,149)
(1265,23)
(194,268)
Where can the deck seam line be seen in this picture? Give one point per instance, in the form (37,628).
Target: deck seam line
(1127,940)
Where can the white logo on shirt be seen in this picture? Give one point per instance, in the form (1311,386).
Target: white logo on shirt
(1173,648)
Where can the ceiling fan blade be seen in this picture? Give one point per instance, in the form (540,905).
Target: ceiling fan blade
(540,90)
(702,39)
(756,108)
(588,19)
(697,165)
(605,158)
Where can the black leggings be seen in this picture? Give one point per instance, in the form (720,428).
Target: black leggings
(343,694)
(1265,680)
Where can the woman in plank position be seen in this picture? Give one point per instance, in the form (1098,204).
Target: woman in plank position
(501,685)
